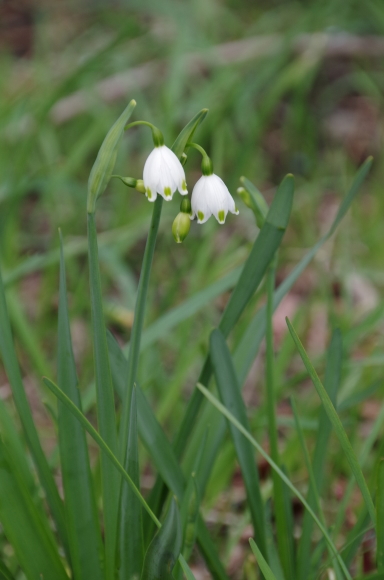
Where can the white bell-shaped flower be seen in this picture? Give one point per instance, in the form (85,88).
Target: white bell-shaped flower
(211,196)
(163,174)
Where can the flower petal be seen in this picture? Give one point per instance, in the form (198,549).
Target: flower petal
(200,207)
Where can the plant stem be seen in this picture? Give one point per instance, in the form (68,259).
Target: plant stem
(134,349)
(105,402)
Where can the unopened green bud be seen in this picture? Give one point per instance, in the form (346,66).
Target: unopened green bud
(243,193)
(181,227)
(206,166)
(137,184)
(185,206)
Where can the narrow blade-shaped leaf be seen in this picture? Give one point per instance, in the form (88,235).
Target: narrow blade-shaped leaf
(380,516)
(105,161)
(230,394)
(226,413)
(267,572)
(80,507)
(105,402)
(186,569)
(12,369)
(5,574)
(261,254)
(165,547)
(26,527)
(131,541)
(336,423)
(187,133)
(100,442)
(331,384)
(162,454)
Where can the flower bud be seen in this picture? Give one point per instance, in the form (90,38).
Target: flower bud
(137,184)
(181,227)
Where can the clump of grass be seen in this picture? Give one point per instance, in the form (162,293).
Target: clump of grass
(117,532)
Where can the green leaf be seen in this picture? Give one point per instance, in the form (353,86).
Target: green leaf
(165,547)
(336,423)
(131,542)
(331,384)
(105,161)
(261,254)
(12,369)
(105,403)
(267,572)
(187,133)
(251,340)
(162,454)
(5,574)
(256,201)
(135,343)
(226,413)
(230,394)
(137,329)
(111,457)
(80,507)
(380,516)
(26,526)
(186,569)
(281,497)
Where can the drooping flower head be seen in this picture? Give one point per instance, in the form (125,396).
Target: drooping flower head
(163,172)
(210,196)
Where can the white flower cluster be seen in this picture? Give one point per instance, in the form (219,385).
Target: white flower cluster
(163,174)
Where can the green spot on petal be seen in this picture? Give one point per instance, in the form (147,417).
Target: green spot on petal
(148,192)
(221,216)
(184,185)
(200,215)
(167,192)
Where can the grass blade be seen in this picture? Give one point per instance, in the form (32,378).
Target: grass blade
(250,343)
(331,384)
(100,442)
(186,569)
(105,403)
(336,423)
(165,547)
(5,574)
(25,525)
(262,252)
(80,507)
(228,415)
(12,369)
(105,161)
(131,540)
(230,394)
(135,343)
(313,483)
(380,516)
(134,350)
(163,455)
(267,572)
(280,493)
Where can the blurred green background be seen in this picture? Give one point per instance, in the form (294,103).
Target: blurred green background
(291,87)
